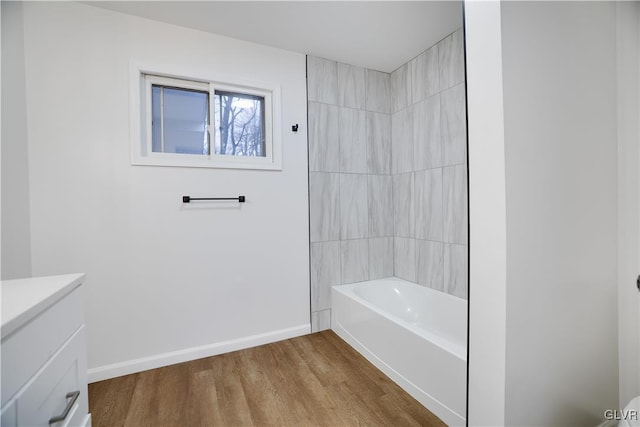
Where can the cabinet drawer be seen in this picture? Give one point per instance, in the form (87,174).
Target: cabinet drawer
(45,395)
(28,348)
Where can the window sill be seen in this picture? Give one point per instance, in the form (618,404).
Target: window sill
(226,163)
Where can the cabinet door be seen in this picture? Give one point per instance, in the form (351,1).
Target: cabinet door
(46,395)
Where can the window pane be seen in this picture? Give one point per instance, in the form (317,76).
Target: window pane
(179,120)
(239,124)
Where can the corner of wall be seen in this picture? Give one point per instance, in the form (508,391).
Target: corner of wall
(487,207)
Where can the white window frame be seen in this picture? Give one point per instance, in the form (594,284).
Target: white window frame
(143,77)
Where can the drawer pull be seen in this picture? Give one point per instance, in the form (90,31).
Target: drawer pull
(71,395)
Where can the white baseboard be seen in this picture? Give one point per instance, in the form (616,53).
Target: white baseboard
(159,360)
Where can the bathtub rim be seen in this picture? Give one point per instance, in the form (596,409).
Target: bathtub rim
(458,350)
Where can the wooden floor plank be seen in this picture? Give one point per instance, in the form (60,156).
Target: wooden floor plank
(112,399)
(313,380)
(266,404)
(143,407)
(173,394)
(362,375)
(204,409)
(304,388)
(311,351)
(234,408)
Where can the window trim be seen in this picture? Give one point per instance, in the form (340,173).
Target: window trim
(142,77)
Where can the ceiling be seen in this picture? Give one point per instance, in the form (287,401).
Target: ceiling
(380,35)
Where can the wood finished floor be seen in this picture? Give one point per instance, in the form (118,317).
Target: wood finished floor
(313,380)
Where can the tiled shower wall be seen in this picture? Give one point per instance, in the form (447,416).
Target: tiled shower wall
(429,167)
(387,180)
(350,184)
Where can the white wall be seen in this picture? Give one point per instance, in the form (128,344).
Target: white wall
(487,215)
(16,239)
(628,55)
(556,361)
(559,81)
(166,282)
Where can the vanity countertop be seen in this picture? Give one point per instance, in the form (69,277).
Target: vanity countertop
(24,299)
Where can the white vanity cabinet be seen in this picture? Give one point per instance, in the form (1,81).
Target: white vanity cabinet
(43,353)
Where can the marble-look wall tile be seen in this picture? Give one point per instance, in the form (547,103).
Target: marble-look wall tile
(400,88)
(355,260)
(324,145)
(354,216)
(454,187)
(351,86)
(380,258)
(353,140)
(402,141)
(324,206)
(403,205)
(405,258)
(453,125)
(428,204)
(378,91)
(380,205)
(325,273)
(378,143)
(430,264)
(451,60)
(320,320)
(425,74)
(322,80)
(456,264)
(426,134)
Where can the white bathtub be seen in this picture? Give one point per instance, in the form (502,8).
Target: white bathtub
(415,335)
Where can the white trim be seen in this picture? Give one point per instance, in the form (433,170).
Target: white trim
(174,82)
(141,154)
(101,373)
